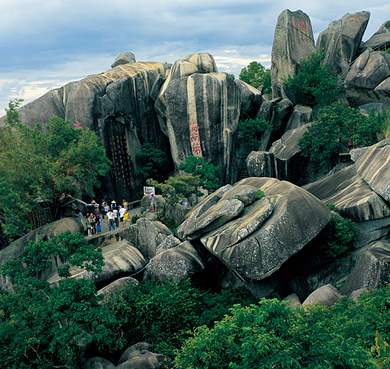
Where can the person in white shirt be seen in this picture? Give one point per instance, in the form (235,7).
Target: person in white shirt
(115,211)
(122,212)
(110,219)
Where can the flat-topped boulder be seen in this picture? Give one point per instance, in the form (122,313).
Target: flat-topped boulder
(265,233)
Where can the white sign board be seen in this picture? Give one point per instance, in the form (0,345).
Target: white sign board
(148,191)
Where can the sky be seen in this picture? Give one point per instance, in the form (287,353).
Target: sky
(47,44)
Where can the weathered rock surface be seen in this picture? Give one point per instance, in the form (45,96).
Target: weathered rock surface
(112,289)
(300,116)
(372,268)
(99,363)
(216,216)
(267,233)
(374,168)
(233,232)
(175,264)
(119,258)
(135,350)
(124,57)
(261,164)
(326,295)
(199,113)
(251,98)
(293,41)
(139,356)
(368,79)
(289,163)
(169,243)
(341,41)
(352,197)
(149,236)
(380,39)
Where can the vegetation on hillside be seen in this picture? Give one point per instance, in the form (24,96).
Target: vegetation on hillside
(46,326)
(38,165)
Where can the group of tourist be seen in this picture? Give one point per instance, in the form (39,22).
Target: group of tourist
(114,215)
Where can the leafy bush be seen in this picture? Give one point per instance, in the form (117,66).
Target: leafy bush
(335,125)
(43,326)
(273,335)
(313,85)
(260,194)
(250,132)
(153,162)
(165,313)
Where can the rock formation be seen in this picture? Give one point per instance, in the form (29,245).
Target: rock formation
(341,41)
(293,41)
(266,233)
(199,112)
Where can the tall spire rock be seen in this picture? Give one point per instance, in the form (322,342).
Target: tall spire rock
(293,40)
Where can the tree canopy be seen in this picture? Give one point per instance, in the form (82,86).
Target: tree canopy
(334,126)
(38,165)
(313,85)
(46,326)
(256,75)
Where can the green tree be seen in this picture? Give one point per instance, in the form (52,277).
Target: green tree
(330,132)
(332,129)
(46,326)
(249,134)
(313,85)
(174,188)
(205,171)
(256,75)
(39,164)
(154,163)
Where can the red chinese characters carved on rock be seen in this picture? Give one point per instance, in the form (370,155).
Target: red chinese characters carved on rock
(195,139)
(78,125)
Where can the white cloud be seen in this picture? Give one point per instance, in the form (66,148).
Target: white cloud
(48,44)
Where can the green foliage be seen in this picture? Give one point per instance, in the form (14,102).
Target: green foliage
(340,236)
(37,165)
(44,326)
(331,206)
(382,350)
(154,163)
(260,194)
(250,132)
(12,115)
(272,335)
(385,129)
(165,313)
(313,85)
(256,75)
(330,133)
(205,171)
(135,217)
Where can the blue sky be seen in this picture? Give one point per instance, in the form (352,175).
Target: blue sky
(46,44)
